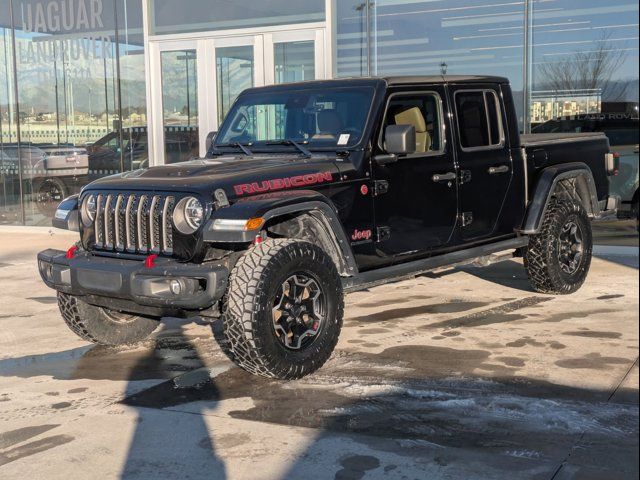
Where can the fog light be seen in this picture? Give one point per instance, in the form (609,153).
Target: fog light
(176,287)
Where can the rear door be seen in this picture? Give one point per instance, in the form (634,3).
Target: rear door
(416,204)
(484,159)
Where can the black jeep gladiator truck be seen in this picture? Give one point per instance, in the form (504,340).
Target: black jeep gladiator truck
(312,190)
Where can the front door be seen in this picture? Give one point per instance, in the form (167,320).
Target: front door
(194,82)
(484,158)
(418,212)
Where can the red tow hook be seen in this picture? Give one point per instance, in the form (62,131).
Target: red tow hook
(150,261)
(72,252)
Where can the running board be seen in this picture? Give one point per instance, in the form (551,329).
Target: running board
(407,270)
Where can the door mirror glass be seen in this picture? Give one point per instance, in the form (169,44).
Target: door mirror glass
(211,136)
(400,139)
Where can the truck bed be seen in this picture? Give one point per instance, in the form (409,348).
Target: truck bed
(547,149)
(536,139)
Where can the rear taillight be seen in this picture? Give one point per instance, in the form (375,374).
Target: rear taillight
(612,163)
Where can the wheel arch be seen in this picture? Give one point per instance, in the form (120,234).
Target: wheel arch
(570,180)
(304,215)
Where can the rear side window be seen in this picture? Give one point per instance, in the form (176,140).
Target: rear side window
(479,119)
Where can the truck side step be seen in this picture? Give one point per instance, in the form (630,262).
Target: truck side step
(412,269)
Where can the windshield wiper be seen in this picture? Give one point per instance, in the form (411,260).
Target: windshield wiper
(242,147)
(293,143)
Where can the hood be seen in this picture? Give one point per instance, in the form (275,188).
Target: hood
(236,175)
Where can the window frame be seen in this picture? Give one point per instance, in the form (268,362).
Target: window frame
(499,112)
(443,130)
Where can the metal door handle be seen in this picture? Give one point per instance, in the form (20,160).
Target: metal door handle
(444,177)
(496,170)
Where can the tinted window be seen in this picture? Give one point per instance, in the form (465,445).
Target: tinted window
(421,111)
(479,120)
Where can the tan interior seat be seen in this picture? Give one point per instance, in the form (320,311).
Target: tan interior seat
(329,125)
(413,116)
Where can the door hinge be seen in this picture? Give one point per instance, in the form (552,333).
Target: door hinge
(465,176)
(383,234)
(466,218)
(380,187)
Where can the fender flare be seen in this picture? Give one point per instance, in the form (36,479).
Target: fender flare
(547,184)
(272,206)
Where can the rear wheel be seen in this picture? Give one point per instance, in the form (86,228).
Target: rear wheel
(103,326)
(284,309)
(558,258)
(48,195)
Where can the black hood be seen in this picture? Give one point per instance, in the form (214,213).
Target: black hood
(206,175)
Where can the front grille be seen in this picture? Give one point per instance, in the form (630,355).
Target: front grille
(134,223)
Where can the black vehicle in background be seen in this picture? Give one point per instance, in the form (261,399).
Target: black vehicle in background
(315,189)
(181,144)
(623,132)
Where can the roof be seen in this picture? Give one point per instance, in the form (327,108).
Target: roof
(389,81)
(410,80)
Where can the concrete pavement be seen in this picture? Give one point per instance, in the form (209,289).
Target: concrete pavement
(465,373)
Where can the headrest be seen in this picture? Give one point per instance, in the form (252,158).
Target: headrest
(414,117)
(329,122)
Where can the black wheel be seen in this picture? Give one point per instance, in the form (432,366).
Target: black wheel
(284,309)
(103,326)
(558,258)
(48,195)
(635,212)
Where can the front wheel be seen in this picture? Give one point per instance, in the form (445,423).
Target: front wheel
(558,258)
(104,326)
(284,308)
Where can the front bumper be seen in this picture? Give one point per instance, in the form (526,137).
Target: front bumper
(129,285)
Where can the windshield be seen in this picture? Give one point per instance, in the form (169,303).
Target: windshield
(328,118)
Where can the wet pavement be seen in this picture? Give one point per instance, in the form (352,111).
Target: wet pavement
(463,373)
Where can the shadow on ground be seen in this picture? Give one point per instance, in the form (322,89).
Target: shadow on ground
(422,404)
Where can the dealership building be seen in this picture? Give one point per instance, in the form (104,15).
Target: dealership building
(92,87)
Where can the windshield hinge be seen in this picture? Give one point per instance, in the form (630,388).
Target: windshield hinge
(380,187)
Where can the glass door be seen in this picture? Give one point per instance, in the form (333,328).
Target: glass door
(176,103)
(237,66)
(294,56)
(193,83)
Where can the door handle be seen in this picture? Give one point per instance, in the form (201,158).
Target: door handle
(444,177)
(497,170)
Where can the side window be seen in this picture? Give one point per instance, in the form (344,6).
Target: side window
(479,119)
(421,110)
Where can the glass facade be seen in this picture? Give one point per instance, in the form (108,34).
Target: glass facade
(72,96)
(563,57)
(73,99)
(172,16)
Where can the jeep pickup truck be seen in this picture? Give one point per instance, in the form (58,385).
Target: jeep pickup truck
(313,190)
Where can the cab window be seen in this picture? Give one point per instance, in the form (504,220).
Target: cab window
(422,111)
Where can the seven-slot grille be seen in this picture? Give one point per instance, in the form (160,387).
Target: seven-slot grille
(134,223)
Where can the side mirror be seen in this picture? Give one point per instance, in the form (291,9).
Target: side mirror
(400,139)
(211,136)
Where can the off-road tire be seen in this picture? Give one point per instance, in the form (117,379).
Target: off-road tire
(541,256)
(102,326)
(248,320)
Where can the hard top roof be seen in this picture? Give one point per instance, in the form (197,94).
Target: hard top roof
(390,81)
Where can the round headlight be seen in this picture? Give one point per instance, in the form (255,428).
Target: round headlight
(188,215)
(88,212)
